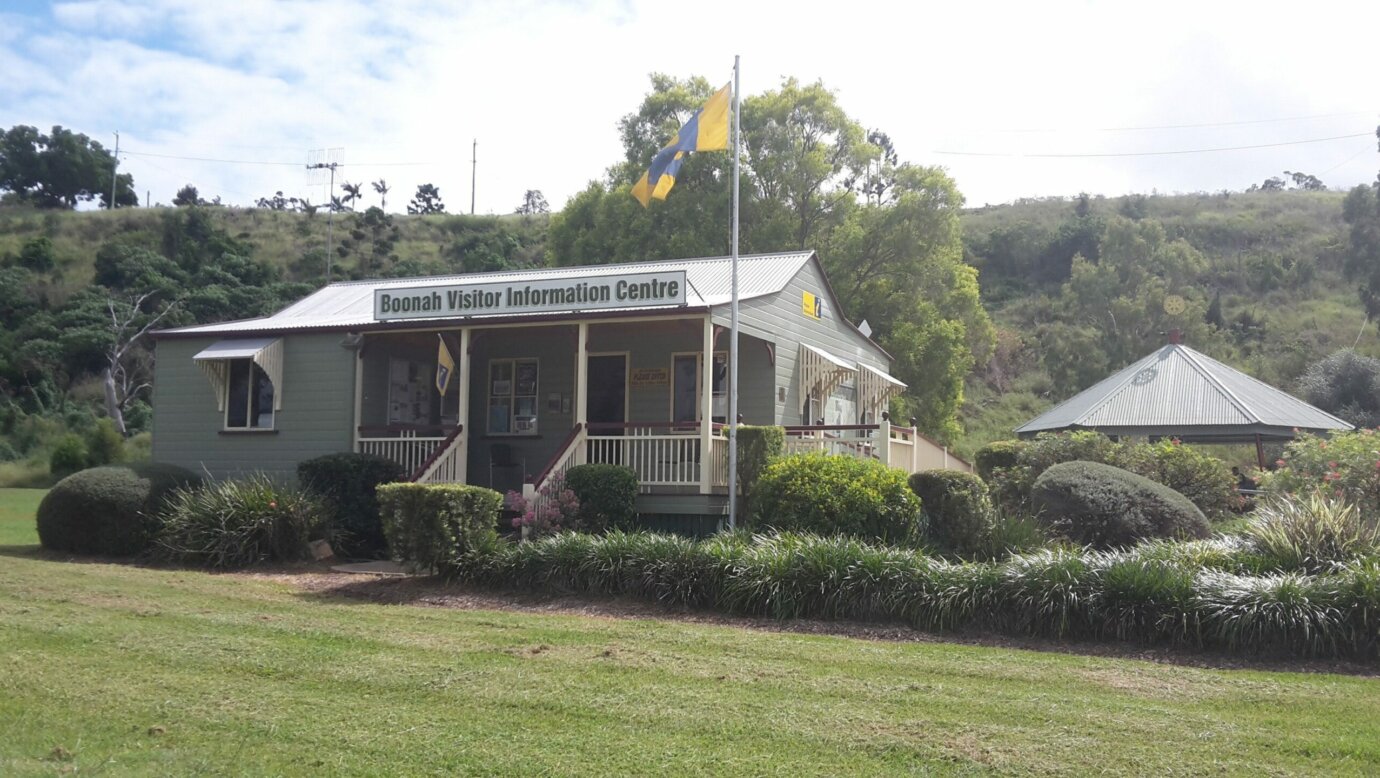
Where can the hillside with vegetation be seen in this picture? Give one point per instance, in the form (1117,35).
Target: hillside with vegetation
(991,315)
(1272,283)
(79,290)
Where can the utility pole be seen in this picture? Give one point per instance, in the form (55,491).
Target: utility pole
(114,171)
(330,210)
(474,164)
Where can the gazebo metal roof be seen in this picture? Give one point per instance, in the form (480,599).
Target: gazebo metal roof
(1182,393)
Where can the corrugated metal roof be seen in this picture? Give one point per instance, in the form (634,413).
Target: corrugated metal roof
(1177,387)
(234,349)
(350,304)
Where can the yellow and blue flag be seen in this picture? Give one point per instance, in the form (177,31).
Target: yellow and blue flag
(707,130)
(445,365)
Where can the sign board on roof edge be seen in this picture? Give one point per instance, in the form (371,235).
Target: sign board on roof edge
(633,290)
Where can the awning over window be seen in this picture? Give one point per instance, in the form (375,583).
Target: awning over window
(267,353)
(821,372)
(875,388)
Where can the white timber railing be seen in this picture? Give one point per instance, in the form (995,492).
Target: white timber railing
(900,447)
(662,454)
(407,447)
(447,462)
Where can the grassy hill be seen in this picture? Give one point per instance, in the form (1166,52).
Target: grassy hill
(1274,260)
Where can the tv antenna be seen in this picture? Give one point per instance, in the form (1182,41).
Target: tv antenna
(321,165)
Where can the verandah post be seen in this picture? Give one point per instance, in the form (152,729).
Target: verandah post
(462,411)
(884,440)
(581,386)
(707,408)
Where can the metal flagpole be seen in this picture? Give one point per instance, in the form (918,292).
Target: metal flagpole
(733,328)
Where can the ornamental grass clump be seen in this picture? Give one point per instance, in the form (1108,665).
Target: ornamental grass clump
(1312,534)
(233,524)
(1052,592)
(1283,611)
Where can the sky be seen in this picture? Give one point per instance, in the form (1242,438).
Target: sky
(235,96)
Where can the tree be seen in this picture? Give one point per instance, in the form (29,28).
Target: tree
(37,254)
(1345,384)
(427,200)
(382,188)
(123,380)
(533,202)
(59,170)
(1306,182)
(188,196)
(1271,184)
(1361,213)
(887,232)
(353,192)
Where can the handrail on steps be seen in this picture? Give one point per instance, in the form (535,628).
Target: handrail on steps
(558,456)
(437,453)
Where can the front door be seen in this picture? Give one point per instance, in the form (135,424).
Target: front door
(608,392)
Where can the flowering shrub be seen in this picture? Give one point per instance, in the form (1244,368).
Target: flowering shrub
(1346,465)
(557,511)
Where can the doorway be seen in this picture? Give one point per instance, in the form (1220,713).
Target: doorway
(608,391)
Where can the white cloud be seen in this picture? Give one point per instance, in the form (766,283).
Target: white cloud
(543,84)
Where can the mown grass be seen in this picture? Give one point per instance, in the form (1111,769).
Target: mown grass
(136,670)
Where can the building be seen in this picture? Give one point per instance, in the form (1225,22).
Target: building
(549,368)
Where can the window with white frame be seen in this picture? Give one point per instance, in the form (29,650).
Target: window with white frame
(513,397)
(248,396)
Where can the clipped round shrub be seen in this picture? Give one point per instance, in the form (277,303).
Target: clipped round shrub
(829,495)
(108,510)
(957,508)
(68,456)
(1105,506)
(607,495)
(998,453)
(238,523)
(348,483)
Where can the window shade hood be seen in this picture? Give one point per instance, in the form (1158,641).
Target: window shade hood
(267,353)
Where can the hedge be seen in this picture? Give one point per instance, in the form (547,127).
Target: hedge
(957,508)
(997,454)
(607,495)
(433,526)
(1201,594)
(1105,506)
(108,510)
(838,495)
(348,483)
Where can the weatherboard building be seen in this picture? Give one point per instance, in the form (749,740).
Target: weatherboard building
(506,379)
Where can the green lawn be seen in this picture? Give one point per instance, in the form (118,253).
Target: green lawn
(142,671)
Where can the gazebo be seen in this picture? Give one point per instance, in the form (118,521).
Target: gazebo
(1181,393)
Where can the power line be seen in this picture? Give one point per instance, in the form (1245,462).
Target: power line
(1152,153)
(1197,125)
(263,162)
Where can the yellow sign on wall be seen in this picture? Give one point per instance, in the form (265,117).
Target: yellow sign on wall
(811,305)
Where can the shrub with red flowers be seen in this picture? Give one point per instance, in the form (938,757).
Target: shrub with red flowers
(556,510)
(1345,465)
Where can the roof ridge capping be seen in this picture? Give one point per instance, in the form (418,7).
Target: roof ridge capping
(498,274)
(1193,356)
(1267,387)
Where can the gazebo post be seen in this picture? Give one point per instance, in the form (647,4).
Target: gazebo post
(1259,452)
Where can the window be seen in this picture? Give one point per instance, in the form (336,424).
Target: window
(686,380)
(409,393)
(248,396)
(513,397)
